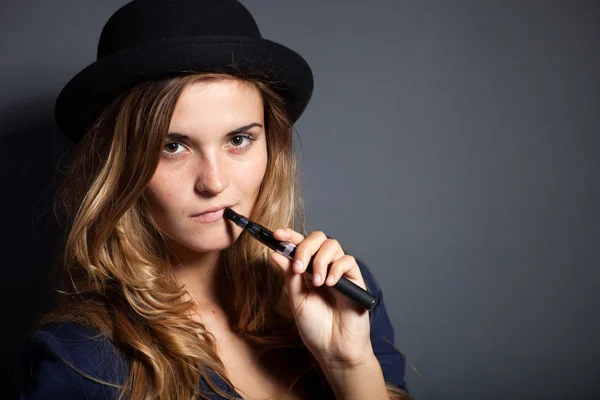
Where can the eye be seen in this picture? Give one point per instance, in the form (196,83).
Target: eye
(172,147)
(239,140)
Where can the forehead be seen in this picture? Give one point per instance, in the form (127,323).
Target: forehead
(222,104)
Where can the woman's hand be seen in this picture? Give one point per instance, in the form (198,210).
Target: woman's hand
(334,328)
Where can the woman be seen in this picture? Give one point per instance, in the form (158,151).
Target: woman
(187,111)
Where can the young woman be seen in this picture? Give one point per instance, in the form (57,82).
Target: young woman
(187,111)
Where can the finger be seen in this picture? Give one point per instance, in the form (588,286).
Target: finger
(294,283)
(288,234)
(329,252)
(345,266)
(307,248)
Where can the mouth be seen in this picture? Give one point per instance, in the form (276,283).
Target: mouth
(211,215)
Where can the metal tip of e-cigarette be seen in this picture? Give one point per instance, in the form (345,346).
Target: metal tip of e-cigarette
(230,214)
(236,218)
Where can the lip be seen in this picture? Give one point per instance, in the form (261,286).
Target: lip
(211,215)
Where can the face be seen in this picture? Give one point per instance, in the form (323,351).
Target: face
(215,156)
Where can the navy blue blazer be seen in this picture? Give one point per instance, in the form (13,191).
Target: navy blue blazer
(52,351)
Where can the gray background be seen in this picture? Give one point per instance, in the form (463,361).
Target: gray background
(451,145)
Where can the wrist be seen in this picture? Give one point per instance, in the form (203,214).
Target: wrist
(348,364)
(358,380)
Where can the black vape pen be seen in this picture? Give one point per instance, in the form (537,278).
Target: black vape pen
(265,236)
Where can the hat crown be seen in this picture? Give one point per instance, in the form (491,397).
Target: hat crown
(142,21)
(148,40)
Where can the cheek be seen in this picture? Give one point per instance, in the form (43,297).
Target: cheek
(250,175)
(162,193)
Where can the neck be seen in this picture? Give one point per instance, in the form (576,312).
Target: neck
(203,277)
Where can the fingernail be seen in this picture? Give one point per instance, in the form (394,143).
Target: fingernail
(317,279)
(297,266)
(330,279)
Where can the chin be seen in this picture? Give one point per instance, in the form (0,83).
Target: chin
(207,242)
(208,247)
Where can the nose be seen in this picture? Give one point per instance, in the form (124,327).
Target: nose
(212,176)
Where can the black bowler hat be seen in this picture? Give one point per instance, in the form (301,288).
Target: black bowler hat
(151,39)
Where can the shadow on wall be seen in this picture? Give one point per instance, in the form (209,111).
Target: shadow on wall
(31,149)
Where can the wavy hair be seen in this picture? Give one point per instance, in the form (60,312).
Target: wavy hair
(117,276)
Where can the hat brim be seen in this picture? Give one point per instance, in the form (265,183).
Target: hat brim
(83,98)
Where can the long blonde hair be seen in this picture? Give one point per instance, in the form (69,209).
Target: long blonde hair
(117,277)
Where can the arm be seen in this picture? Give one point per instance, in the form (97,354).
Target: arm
(387,364)
(382,336)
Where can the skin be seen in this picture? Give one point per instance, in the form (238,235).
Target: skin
(214,167)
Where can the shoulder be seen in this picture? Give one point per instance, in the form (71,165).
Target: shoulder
(68,359)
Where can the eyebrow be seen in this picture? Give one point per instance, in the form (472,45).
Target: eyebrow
(241,129)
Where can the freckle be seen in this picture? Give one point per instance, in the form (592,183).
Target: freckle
(213,311)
